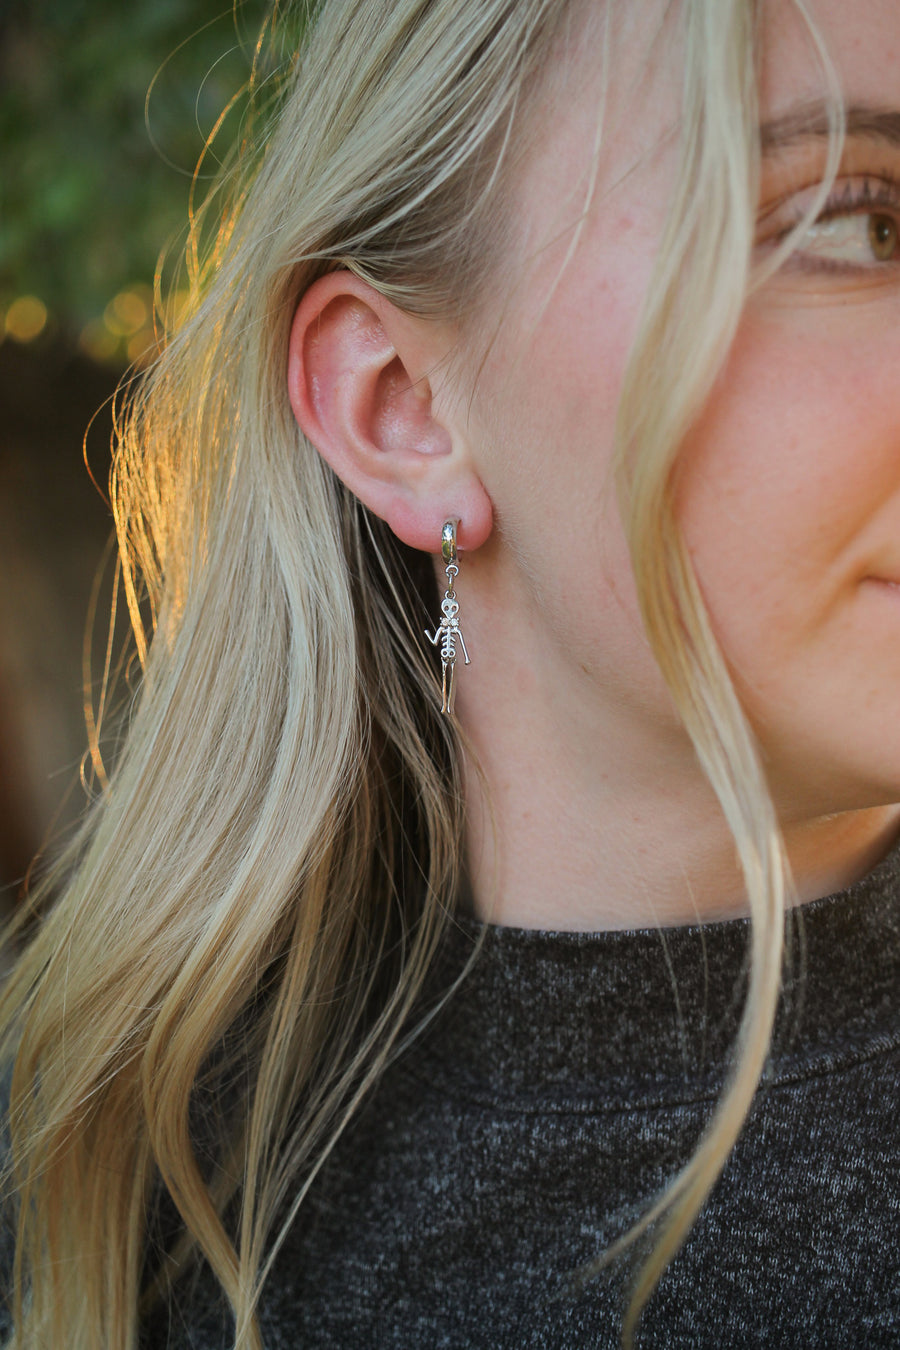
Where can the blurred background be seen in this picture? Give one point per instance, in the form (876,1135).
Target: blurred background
(104,112)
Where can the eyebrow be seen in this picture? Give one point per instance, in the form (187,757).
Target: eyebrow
(810,121)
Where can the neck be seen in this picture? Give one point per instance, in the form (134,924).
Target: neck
(580,818)
(541,854)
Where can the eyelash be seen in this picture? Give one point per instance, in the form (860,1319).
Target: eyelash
(857,199)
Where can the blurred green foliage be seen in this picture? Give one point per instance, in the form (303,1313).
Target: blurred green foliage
(105,106)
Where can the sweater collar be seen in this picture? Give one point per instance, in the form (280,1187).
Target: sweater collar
(651,1015)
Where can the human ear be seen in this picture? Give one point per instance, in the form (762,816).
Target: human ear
(359,387)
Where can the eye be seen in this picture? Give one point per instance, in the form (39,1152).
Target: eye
(856,231)
(859,239)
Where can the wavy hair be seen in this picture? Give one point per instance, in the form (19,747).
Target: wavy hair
(252,906)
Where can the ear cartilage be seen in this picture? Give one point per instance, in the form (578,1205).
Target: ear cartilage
(448,630)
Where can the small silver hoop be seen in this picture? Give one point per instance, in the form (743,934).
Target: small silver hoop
(448,542)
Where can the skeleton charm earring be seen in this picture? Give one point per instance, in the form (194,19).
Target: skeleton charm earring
(448,630)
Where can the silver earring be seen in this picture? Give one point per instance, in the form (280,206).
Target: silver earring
(448,630)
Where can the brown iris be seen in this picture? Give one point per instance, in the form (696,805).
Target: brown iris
(883,238)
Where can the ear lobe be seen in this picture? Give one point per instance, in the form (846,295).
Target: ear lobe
(358,390)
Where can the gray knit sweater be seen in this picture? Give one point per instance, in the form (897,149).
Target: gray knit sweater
(567,1080)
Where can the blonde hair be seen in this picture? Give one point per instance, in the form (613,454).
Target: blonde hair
(257,897)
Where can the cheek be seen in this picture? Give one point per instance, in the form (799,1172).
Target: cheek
(786,489)
(546,416)
(559,375)
(551,400)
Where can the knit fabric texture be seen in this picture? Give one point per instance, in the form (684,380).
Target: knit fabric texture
(564,1083)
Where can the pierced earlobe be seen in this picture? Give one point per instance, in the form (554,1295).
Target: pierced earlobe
(448,630)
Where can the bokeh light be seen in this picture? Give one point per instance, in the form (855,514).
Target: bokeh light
(26,318)
(125,333)
(126,313)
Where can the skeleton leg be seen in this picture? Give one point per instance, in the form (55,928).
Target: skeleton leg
(447,686)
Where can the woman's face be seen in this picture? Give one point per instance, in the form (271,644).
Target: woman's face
(789,495)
